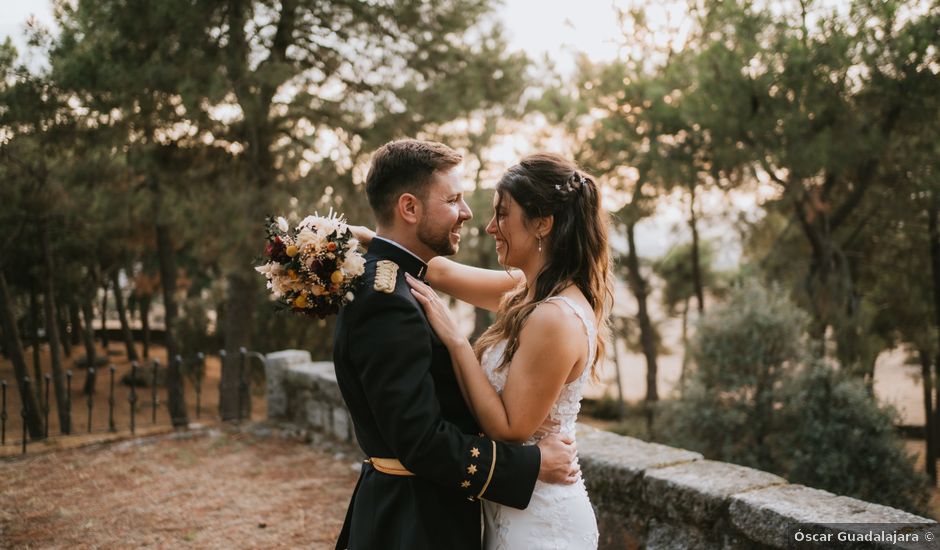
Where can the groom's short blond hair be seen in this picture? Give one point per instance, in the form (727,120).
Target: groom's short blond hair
(404,166)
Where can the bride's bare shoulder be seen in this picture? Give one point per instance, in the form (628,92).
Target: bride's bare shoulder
(552,318)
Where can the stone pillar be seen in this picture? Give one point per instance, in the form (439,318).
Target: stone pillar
(275,367)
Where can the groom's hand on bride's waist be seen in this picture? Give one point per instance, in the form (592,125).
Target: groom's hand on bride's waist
(558,460)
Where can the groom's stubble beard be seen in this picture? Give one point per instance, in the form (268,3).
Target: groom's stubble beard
(438,240)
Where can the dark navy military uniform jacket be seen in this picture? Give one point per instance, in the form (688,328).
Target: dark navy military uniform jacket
(398,383)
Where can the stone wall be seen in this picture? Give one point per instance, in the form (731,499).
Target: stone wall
(645,495)
(306,394)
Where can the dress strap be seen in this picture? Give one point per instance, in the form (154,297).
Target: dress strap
(589,328)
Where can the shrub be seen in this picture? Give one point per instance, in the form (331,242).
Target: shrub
(758,398)
(842,441)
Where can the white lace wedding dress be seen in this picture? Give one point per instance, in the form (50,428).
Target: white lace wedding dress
(558,516)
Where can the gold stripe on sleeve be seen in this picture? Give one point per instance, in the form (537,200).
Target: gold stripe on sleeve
(489,477)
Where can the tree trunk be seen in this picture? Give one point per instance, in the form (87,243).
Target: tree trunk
(14,349)
(936,409)
(621,408)
(176,402)
(74,321)
(104,316)
(34,336)
(696,262)
(64,332)
(258,162)
(144,305)
(90,353)
(122,315)
(647,336)
(815,284)
(239,310)
(933,234)
(685,344)
(52,328)
(762,416)
(927,375)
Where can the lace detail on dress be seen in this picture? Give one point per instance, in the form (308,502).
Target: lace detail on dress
(564,413)
(558,516)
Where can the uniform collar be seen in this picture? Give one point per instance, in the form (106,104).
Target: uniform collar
(386,248)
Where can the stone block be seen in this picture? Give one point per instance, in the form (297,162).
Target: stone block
(289,356)
(612,466)
(631,455)
(275,366)
(617,534)
(309,375)
(325,371)
(316,415)
(326,384)
(667,535)
(700,491)
(765,514)
(340,423)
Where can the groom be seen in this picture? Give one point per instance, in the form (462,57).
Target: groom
(429,464)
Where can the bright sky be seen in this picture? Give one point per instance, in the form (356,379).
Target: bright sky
(13,16)
(559,28)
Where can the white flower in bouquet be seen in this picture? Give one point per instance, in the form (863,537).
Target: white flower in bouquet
(308,222)
(324,225)
(327,228)
(270,268)
(307,238)
(282,285)
(354,265)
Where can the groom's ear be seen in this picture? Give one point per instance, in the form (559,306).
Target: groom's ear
(409,208)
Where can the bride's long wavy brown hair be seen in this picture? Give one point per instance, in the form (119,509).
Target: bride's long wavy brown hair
(545,184)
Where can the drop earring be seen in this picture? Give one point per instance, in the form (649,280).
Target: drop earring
(540,243)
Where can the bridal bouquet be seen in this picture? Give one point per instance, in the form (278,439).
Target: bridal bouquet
(313,268)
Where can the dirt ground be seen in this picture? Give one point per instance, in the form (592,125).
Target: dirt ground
(210,488)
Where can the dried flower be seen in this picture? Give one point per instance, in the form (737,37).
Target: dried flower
(314,268)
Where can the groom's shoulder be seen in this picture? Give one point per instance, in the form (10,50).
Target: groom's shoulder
(383,286)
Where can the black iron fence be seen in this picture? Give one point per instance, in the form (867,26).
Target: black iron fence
(147,374)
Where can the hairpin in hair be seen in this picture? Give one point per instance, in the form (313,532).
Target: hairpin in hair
(574,183)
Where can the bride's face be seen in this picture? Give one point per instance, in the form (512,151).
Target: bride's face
(515,240)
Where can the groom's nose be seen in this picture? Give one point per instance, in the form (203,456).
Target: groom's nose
(465,212)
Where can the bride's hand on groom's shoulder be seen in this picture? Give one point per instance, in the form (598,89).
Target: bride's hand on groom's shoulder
(437,313)
(362,234)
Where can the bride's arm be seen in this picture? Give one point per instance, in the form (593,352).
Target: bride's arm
(483,288)
(541,364)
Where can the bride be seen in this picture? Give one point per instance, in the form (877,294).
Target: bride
(524,377)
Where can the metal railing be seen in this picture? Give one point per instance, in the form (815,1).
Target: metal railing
(136,371)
